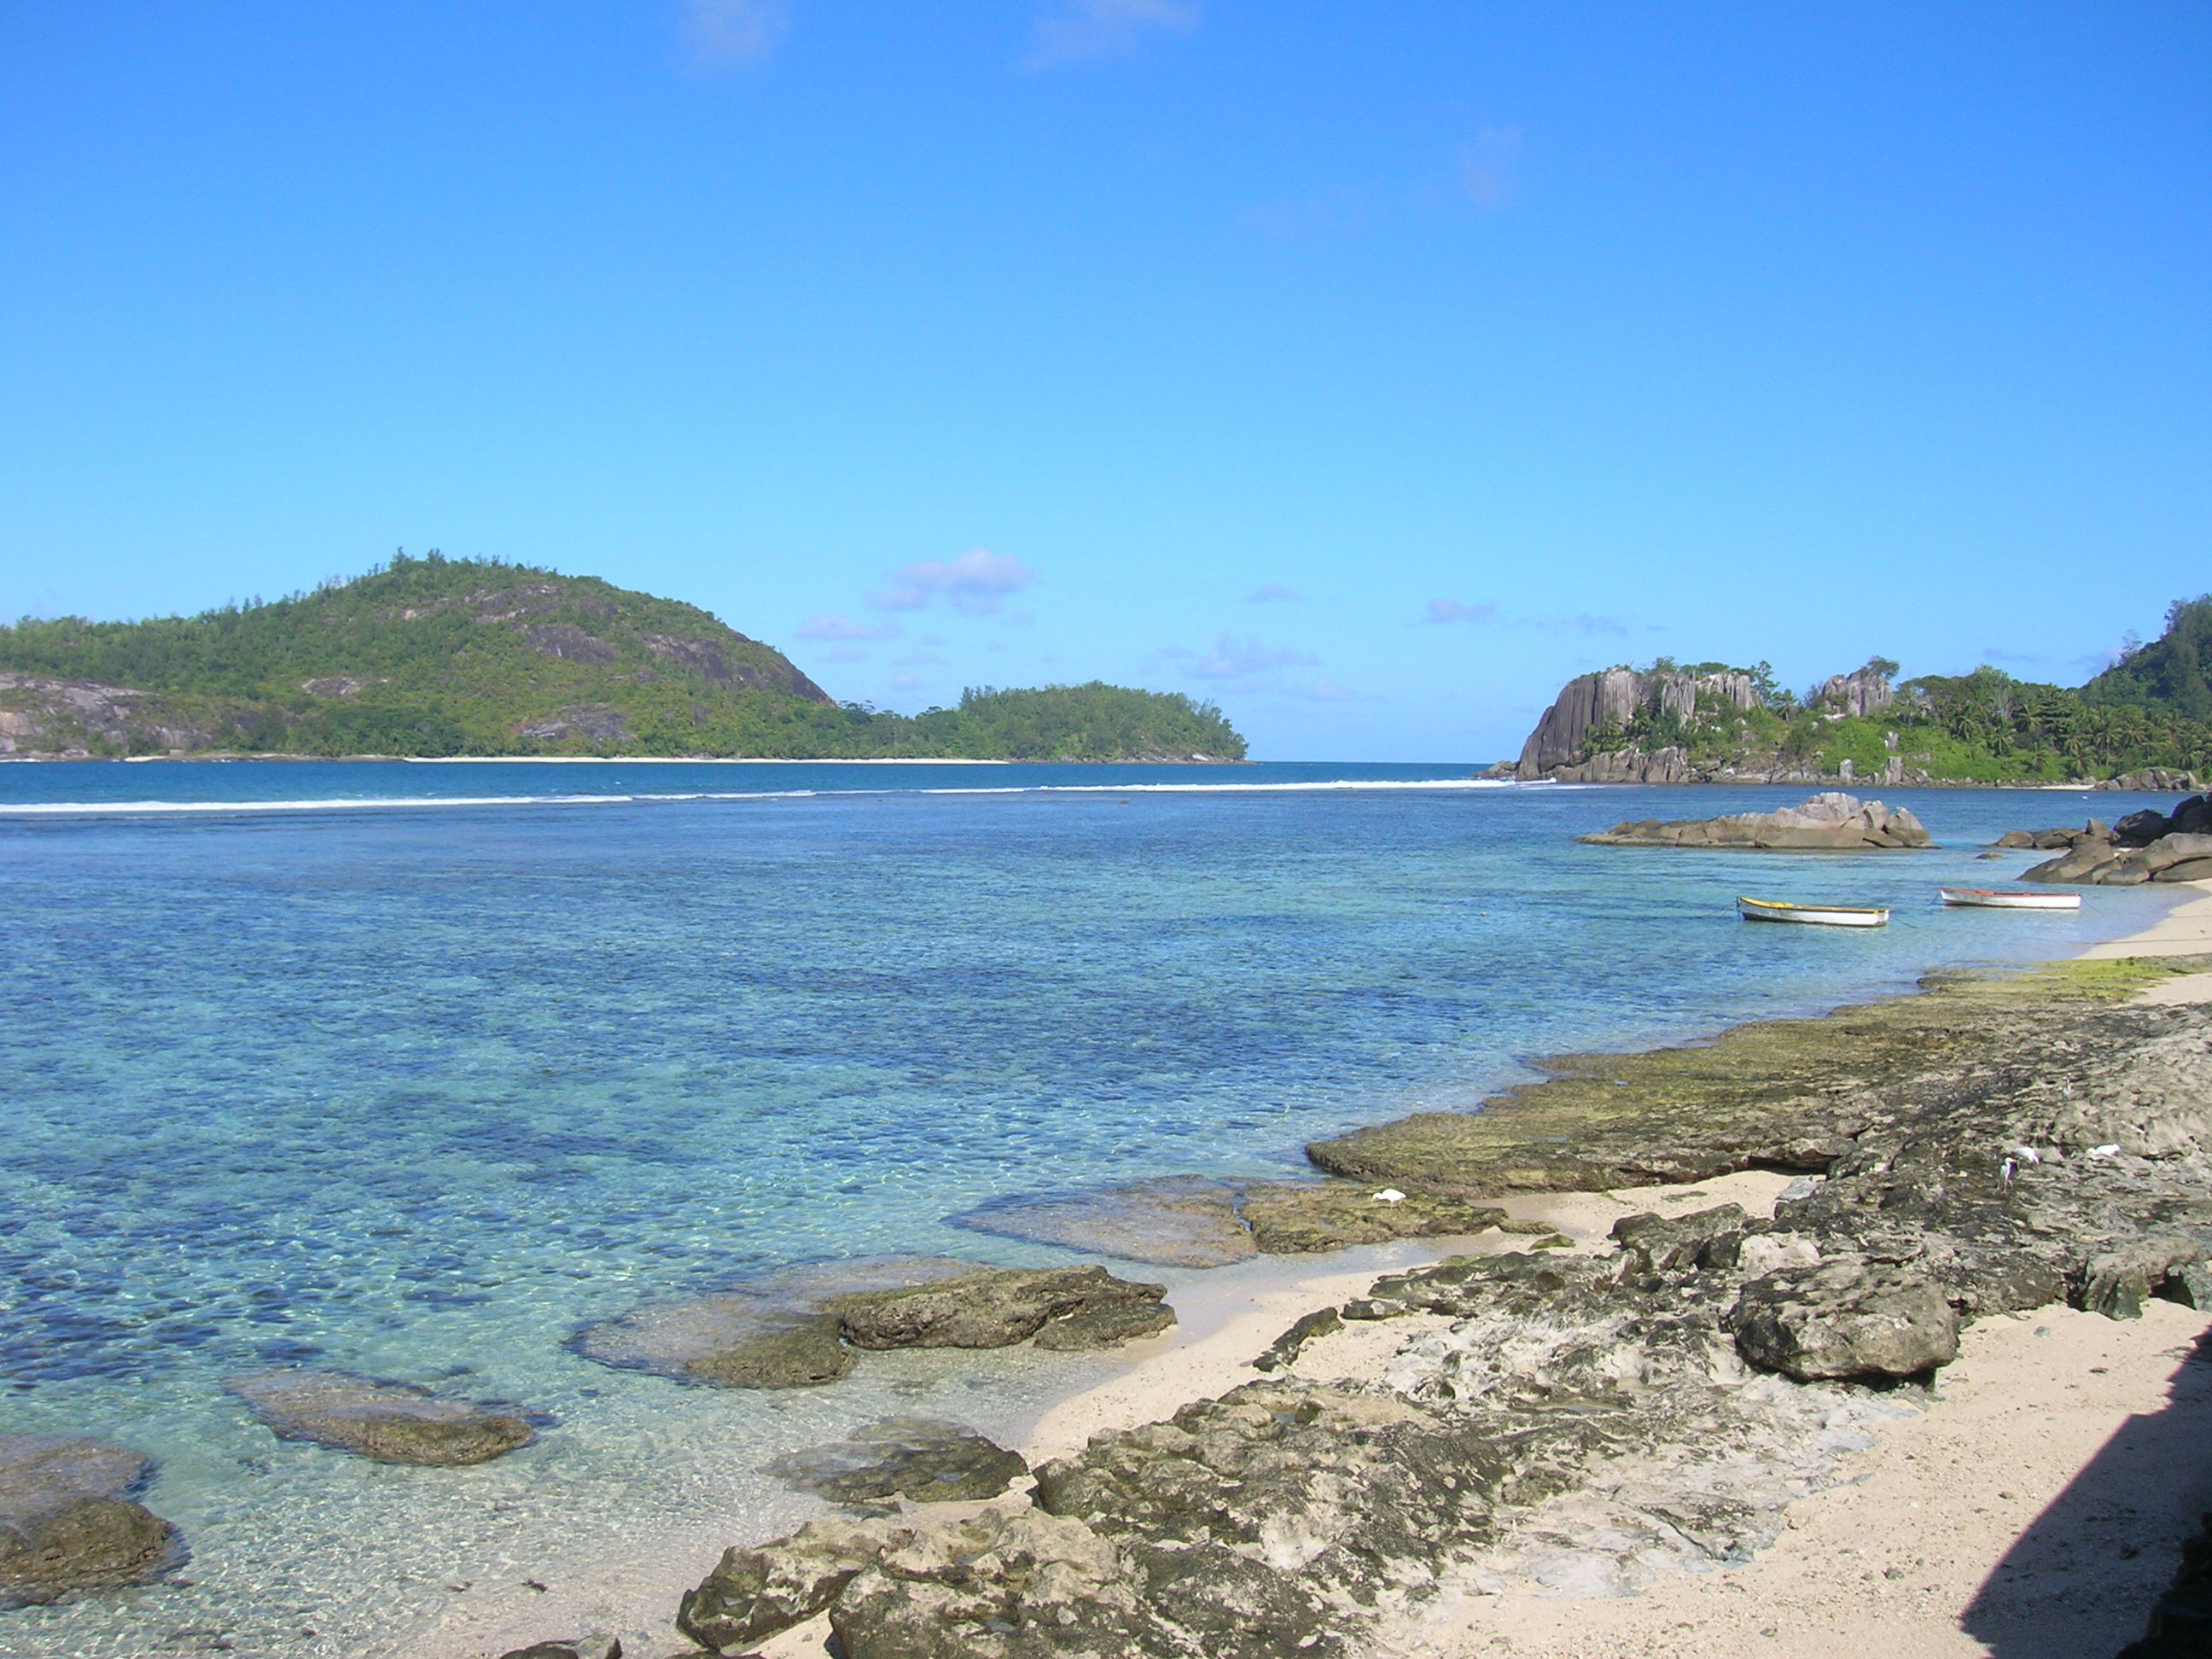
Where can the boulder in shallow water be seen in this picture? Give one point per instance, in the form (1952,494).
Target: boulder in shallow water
(1831,822)
(916,1457)
(582,1647)
(986,1308)
(67,1521)
(389,1422)
(1846,1318)
(800,1327)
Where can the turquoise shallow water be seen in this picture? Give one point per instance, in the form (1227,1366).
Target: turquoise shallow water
(413,1069)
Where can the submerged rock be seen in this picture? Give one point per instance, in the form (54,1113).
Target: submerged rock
(582,1647)
(389,1422)
(69,1522)
(800,1327)
(1177,1221)
(1189,1221)
(1831,822)
(916,1458)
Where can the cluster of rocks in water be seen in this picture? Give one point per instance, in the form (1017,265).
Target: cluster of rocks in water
(68,1522)
(2142,847)
(1831,821)
(1582,1421)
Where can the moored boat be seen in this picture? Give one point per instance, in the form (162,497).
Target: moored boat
(1996,898)
(1818,915)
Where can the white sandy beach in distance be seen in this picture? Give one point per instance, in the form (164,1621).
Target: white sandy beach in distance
(2052,1408)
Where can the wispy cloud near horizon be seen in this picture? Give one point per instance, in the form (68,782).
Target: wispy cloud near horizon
(1489,613)
(1071,31)
(733,34)
(975,583)
(1272,594)
(838,626)
(1231,659)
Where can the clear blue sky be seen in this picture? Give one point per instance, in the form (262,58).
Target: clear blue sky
(1368,368)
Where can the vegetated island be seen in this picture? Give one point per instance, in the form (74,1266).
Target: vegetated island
(442,657)
(2144,723)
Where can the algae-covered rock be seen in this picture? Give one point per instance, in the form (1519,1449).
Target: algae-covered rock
(920,1458)
(389,1422)
(1289,1217)
(800,1328)
(1845,1319)
(68,1522)
(753,1594)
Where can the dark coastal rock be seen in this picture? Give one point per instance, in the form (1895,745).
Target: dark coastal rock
(391,1422)
(69,1522)
(1703,1239)
(2103,863)
(800,1328)
(1191,1222)
(1845,1319)
(1826,823)
(1284,1349)
(752,1594)
(582,1647)
(916,1458)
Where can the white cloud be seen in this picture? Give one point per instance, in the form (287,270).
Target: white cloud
(850,654)
(1451,611)
(1271,593)
(1231,660)
(906,682)
(1071,30)
(1485,167)
(838,626)
(727,35)
(975,583)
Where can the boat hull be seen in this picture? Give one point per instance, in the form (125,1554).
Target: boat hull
(1985,898)
(1812,916)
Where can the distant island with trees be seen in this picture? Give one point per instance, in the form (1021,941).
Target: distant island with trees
(438,657)
(2146,719)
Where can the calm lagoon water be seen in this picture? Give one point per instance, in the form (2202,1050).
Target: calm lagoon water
(413,1069)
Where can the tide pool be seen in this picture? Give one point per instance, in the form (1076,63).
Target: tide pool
(411,1070)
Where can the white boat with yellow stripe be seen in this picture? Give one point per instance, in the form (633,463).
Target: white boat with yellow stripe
(1816,915)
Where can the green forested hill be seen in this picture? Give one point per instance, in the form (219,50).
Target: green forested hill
(441,656)
(2172,675)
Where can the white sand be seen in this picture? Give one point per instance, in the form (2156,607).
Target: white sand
(2185,931)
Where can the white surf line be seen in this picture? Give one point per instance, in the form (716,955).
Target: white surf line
(366,803)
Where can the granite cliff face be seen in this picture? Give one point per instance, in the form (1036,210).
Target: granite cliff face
(1613,698)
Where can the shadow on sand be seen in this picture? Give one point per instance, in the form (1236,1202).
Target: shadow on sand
(2083,1580)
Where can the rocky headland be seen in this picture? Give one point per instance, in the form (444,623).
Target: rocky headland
(1585,1419)
(1828,823)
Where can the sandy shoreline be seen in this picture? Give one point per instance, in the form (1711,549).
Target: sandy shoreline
(2055,1414)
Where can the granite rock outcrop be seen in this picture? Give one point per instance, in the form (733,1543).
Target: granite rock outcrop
(1830,822)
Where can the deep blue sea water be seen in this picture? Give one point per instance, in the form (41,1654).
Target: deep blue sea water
(413,1069)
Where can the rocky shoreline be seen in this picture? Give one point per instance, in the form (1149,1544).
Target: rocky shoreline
(1585,1420)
